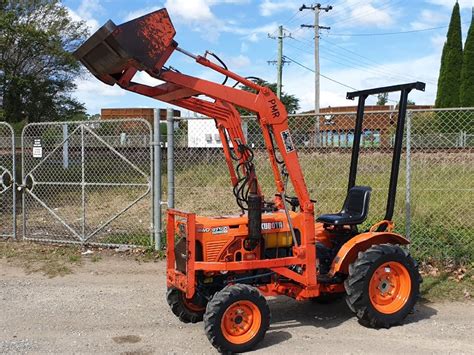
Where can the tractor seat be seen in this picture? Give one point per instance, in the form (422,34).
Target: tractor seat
(354,211)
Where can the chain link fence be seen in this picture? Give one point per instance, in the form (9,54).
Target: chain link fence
(7,181)
(91,182)
(87,182)
(442,183)
(433,206)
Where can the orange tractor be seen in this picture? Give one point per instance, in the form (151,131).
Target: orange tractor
(219,269)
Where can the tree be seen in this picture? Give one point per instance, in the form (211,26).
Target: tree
(291,102)
(466,97)
(451,64)
(382,99)
(37,69)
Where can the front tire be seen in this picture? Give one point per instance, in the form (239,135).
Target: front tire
(383,286)
(185,309)
(236,318)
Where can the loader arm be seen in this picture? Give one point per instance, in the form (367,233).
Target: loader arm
(114,54)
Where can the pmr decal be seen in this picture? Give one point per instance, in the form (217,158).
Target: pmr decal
(274,108)
(289,147)
(272,225)
(220,230)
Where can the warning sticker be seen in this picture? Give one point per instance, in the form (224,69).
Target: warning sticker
(37,149)
(289,147)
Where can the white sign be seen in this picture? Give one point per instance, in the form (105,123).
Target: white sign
(202,133)
(37,149)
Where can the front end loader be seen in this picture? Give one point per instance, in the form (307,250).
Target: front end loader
(219,269)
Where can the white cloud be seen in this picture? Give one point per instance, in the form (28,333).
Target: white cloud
(241,61)
(468,4)
(429,18)
(140,12)
(271,7)
(144,78)
(370,14)
(95,94)
(198,15)
(251,34)
(354,13)
(438,41)
(85,12)
(196,10)
(300,82)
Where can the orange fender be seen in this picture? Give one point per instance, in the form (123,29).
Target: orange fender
(349,251)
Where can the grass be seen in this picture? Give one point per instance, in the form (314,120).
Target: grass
(445,287)
(48,260)
(442,221)
(59,260)
(442,188)
(447,281)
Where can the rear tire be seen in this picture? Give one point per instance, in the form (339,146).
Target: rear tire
(383,285)
(183,308)
(236,318)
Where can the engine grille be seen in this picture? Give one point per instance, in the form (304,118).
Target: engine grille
(214,249)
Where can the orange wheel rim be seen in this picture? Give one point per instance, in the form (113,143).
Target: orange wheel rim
(390,287)
(241,322)
(190,305)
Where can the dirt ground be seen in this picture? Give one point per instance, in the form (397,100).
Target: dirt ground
(118,305)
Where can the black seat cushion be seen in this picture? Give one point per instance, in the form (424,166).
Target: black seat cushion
(354,211)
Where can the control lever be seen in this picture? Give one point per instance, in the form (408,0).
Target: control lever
(293,201)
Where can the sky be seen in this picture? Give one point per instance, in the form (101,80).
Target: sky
(359,51)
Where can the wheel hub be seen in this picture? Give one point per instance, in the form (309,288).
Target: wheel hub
(240,322)
(385,286)
(390,287)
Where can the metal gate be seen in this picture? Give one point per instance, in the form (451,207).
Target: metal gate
(7,182)
(87,182)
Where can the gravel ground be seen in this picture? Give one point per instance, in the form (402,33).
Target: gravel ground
(117,305)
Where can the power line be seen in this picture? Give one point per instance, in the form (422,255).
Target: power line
(355,63)
(327,77)
(293,18)
(383,68)
(339,8)
(324,76)
(388,33)
(349,64)
(353,17)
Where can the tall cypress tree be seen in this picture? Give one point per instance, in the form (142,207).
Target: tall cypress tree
(467,75)
(449,81)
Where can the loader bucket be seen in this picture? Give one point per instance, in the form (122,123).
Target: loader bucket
(144,43)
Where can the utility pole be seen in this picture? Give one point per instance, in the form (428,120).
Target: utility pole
(280,60)
(316,9)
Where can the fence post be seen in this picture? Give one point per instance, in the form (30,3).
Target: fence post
(408,176)
(170,155)
(14,182)
(65,147)
(156,179)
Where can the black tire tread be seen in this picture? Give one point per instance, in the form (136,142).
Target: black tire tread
(184,314)
(355,285)
(222,300)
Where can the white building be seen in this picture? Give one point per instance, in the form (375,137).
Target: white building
(202,133)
